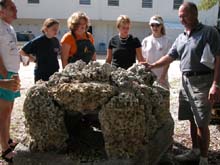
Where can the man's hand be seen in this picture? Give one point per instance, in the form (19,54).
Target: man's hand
(14,85)
(11,84)
(214,94)
(147,65)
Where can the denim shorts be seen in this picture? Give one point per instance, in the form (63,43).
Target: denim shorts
(8,95)
(193,99)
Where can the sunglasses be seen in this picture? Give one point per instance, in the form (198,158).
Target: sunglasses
(155,25)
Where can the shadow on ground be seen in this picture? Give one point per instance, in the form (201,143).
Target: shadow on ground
(214,156)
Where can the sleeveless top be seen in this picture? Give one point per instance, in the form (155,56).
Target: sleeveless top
(85,50)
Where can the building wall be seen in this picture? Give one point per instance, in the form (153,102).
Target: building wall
(103,17)
(99,10)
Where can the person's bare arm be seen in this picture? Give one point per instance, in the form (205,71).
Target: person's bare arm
(109,56)
(65,48)
(10,84)
(164,72)
(214,93)
(163,61)
(30,56)
(140,58)
(94,57)
(23,53)
(3,70)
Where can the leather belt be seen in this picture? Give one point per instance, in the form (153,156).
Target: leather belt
(196,73)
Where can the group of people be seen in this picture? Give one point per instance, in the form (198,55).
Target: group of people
(200,84)
(124,49)
(78,44)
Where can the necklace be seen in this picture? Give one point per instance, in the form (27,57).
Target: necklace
(123,39)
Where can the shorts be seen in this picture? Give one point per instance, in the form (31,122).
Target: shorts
(8,95)
(193,99)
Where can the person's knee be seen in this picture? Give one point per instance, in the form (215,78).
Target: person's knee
(5,111)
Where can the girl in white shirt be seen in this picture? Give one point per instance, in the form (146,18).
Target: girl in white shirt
(155,46)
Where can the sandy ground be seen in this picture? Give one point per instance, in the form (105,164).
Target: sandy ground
(181,137)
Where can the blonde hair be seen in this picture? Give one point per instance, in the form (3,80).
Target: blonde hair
(158,17)
(48,23)
(74,20)
(122,19)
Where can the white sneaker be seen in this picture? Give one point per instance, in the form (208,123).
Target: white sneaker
(191,155)
(203,161)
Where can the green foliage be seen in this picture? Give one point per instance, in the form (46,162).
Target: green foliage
(207,4)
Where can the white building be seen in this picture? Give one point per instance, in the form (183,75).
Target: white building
(103,14)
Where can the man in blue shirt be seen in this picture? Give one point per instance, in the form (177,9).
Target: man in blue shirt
(200,83)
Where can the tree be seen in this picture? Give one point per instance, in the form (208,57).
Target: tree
(207,4)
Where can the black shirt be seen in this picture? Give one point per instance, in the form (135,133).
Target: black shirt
(46,51)
(124,51)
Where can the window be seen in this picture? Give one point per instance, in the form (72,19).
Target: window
(177,3)
(84,2)
(147,3)
(113,2)
(33,1)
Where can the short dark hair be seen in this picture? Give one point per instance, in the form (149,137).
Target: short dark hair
(3,3)
(192,7)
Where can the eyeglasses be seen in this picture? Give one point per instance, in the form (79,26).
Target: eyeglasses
(155,25)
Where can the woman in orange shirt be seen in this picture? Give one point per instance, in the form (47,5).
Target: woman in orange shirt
(77,44)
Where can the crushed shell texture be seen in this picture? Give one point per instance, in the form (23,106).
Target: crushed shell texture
(131,109)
